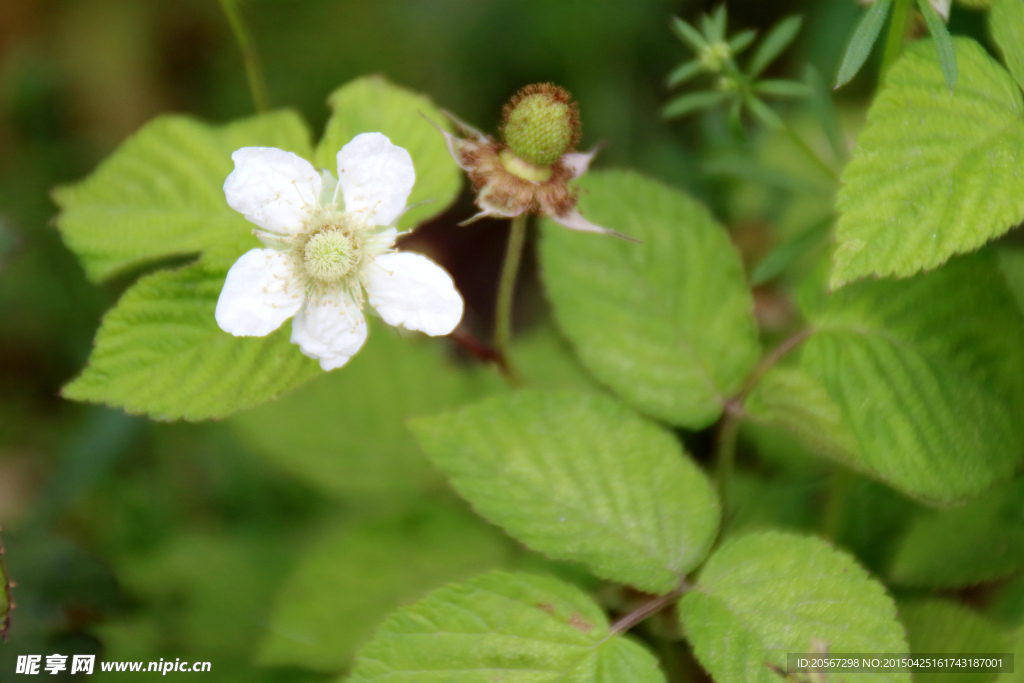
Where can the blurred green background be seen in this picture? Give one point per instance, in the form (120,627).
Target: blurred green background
(271,543)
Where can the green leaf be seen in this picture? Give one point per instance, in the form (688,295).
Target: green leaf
(684,72)
(667,323)
(355,574)
(777,40)
(934,173)
(372,104)
(978,542)
(794,401)
(345,433)
(160,352)
(741,41)
(864,37)
(1011,263)
(943,42)
(691,102)
(516,628)
(160,194)
(688,34)
(940,626)
(926,373)
(579,477)
(824,109)
(764,595)
(1006,22)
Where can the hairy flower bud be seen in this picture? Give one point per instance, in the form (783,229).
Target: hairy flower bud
(541,124)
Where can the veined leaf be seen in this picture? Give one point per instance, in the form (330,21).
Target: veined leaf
(159,352)
(926,373)
(372,567)
(792,400)
(516,628)
(763,595)
(964,546)
(161,193)
(944,626)
(580,477)
(372,104)
(934,173)
(864,37)
(667,324)
(1007,25)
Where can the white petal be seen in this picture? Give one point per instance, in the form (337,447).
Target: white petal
(331,329)
(574,221)
(376,178)
(412,291)
(579,162)
(942,7)
(274,189)
(260,292)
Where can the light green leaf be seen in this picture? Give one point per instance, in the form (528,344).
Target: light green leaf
(766,594)
(792,400)
(372,104)
(579,477)
(741,41)
(516,628)
(943,42)
(1006,22)
(964,546)
(926,373)
(691,102)
(940,626)
(934,173)
(160,352)
(777,40)
(864,37)
(345,433)
(160,194)
(667,323)
(355,574)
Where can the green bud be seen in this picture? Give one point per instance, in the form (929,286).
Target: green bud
(714,56)
(541,123)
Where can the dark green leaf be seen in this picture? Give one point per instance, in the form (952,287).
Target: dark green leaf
(1006,23)
(943,42)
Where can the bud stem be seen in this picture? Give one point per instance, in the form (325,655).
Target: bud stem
(506,295)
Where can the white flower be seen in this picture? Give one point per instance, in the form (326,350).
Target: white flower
(324,251)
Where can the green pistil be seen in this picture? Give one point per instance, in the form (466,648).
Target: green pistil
(329,255)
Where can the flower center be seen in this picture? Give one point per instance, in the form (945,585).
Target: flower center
(330,255)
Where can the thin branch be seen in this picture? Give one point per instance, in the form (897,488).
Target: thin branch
(250,56)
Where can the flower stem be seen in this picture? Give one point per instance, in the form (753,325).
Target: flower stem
(897,30)
(251,58)
(506,293)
